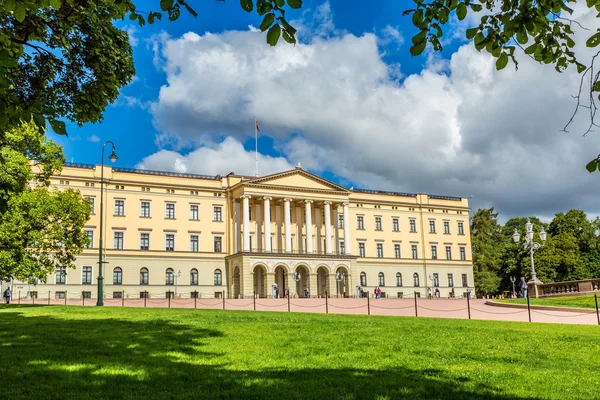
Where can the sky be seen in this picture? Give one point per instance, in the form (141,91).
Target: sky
(351,104)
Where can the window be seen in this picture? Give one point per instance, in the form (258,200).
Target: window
(465,281)
(361,249)
(218,277)
(144,241)
(144,276)
(431,226)
(398,279)
(450,280)
(119,208)
(413,249)
(170,242)
(341,221)
(87,295)
(92,202)
(86,275)
(145,209)
(169,277)
(447,227)
(194,214)
(342,248)
(194,276)
(118,240)
(448,252)
(117,295)
(194,243)
(33,294)
(413,225)
(60,275)
(381,279)
(217,242)
(463,253)
(461,229)
(117,276)
(436,280)
(60,295)
(363,279)
(395,225)
(397,250)
(416,280)
(380,250)
(433,252)
(143,295)
(377,223)
(170,210)
(217,216)
(90,236)
(360,221)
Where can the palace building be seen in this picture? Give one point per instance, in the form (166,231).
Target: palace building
(191,235)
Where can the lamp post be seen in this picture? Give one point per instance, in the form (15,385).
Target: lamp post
(177,276)
(113,157)
(512,280)
(530,244)
(296,276)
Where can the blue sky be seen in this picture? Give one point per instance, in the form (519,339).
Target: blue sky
(350,104)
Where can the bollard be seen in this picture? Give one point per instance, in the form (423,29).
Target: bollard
(254,300)
(469,305)
(223,296)
(145,297)
(416,311)
(82,298)
(326,304)
(528,307)
(368,304)
(195,299)
(169,293)
(597,314)
(48,297)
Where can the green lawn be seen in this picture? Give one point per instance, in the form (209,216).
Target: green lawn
(586,301)
(120,353)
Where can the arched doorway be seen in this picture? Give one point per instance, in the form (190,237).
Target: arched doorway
(236,283)
(303,283)
(322,281)
(260,281)
(342,283)
(281,279)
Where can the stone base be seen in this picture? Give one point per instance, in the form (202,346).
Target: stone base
(534,288)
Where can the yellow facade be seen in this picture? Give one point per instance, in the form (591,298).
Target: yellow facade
(210,235)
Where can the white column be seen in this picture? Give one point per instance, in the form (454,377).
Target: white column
(299,222)
(318,240)
(309,234)
(347,229)
(278,245)
(327,227)
(237,231)
(258,230)
(336,230)
(288,225)
(246,218)
(267,219)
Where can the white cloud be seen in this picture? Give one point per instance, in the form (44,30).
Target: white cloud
(457,128)
(94,139)
(391,35)
(132,31)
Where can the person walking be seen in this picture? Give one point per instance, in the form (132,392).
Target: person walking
(429,296)
(523,287)
(452,295)
(378,292)
(7,295)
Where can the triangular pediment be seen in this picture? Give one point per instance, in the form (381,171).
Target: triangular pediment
(297,178)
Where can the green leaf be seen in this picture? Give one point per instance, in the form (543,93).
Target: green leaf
(461,11)
(592,165)
(501,61)
(594,40)
(58,127)
(287,37)
(165,5)
(419,37)
(476,7)
(597,86)
(247,5)
(531,49)
(39,120)
(287,26)
(417,49)
(522,37)
(133,16)
(19,12)
(280,3)
(150,18)
(9,5)
(55,4)
(294,3)
(191,10)
(273,34)
(471,32)
(267,22)
(417,17)
(580,67)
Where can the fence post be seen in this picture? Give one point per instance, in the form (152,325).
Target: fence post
(19,297)
(145,297)
(195,297)
(368,303)
(254,300)
(416,311)
(48,297)
(223,296)
(122,298)
(528,307)
(82,298)
(326,304)
(288,301)
(597,314)
(469,305)
(169,293)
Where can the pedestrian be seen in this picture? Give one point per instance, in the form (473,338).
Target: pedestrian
(7,295)
(429,296)
(523,287)
(452,293)
(378,292)
(437,293)
(287,293)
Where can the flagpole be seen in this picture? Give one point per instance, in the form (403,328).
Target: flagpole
(256,145)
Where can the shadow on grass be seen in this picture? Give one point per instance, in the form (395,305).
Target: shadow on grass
(47,357)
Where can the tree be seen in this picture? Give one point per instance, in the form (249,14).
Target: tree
(40,228)
(486,241)
(576,224)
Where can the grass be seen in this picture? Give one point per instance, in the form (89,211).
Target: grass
(123,353)
(586,301)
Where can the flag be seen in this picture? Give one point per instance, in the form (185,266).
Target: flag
(257,128)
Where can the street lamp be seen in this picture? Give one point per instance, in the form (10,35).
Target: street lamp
(113,157)
(177,276)
(296,276)
(340,277)
(530,244)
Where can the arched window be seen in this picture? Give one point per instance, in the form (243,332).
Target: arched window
(218,277)
(363,279)
(416,279)
(144,276)
(398,279)
(169,277)
(117,276)
(381,279)
(194,276)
